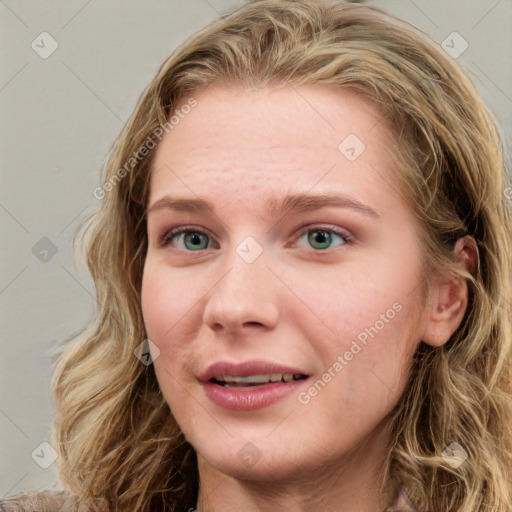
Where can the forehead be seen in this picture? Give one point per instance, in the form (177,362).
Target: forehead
(268,142)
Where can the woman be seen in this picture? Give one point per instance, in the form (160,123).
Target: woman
(342,339)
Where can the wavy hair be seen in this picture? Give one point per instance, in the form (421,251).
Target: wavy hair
(118,444)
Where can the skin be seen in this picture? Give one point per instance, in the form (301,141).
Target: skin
(295,304)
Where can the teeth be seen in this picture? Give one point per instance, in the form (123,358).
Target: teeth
(259,379)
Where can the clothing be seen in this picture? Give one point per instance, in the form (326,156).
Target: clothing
(34,501)
(53,501)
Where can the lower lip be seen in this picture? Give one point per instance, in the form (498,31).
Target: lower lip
(251,397)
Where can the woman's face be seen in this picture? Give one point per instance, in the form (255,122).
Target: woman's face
(276,278)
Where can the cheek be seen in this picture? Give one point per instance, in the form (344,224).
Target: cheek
(364,328)
(153,303)
(161,313)
(165,300)
(375,356)
(346,301)
(170,306)
(363,377)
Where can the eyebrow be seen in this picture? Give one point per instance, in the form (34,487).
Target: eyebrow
(296,203)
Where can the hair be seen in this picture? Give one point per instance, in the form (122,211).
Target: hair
(119,446)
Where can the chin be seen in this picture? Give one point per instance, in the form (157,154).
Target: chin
(258,461)
(261,471)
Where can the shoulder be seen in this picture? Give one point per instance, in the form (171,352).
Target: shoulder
(34,501)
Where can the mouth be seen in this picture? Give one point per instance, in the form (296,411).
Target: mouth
(250,385)
(255,381)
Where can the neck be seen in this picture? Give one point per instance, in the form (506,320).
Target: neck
(345,484)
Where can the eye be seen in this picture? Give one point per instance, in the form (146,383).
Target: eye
(321,237)
(192,238)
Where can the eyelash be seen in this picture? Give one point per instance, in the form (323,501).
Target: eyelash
(169,235)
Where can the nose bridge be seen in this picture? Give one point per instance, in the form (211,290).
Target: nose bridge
(245,294)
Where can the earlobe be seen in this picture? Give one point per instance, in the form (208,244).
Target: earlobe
(449,297)
(445,311)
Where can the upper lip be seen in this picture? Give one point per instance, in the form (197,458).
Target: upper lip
(243,369)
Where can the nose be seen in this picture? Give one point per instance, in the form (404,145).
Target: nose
(244,299)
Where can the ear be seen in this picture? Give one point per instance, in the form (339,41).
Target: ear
(448,298)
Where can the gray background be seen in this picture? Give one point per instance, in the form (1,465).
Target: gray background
(59,117)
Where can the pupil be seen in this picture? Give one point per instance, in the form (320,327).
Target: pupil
(322,237)
(195,239)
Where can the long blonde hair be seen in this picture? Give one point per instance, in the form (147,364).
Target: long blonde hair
(119,446)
